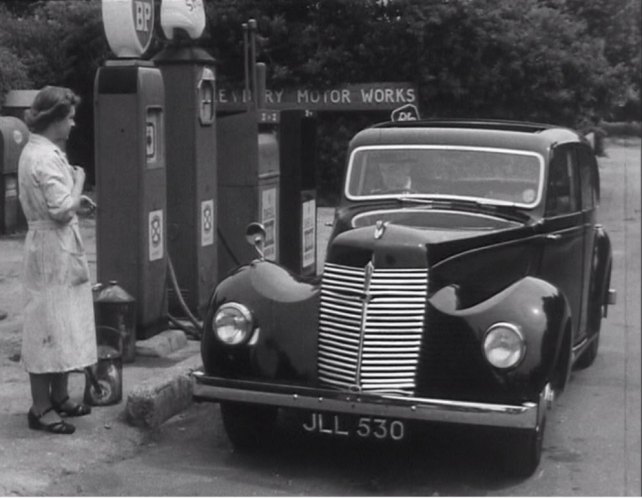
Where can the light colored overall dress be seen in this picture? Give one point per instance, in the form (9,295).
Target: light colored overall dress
(59,333)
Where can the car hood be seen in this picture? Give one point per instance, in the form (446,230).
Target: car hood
(415,238)
(477,258)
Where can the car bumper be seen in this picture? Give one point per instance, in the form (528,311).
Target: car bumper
(523,416)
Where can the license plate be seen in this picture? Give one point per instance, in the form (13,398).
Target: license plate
(349,426)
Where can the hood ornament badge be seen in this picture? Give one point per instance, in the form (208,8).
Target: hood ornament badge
(380,228)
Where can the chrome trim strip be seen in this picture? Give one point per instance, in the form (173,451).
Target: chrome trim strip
(378,212)
(366,314)
(497,150)
(524,416)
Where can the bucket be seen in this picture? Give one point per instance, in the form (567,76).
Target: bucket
(104,380)
(115,308)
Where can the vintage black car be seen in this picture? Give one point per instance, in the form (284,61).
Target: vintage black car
(466,274)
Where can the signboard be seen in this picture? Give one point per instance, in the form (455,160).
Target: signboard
(268,219)
(155,230)
(129,26)
(361,97)
(269,161)
(207,223)
(308,229)
(408,112)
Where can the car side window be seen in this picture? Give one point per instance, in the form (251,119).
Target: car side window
(563,183)
(588,178)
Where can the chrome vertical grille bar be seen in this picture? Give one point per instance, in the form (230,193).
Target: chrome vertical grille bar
(371,327)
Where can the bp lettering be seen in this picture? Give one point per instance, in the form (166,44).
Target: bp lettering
(142,15)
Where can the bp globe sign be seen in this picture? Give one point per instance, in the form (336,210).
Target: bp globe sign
(129,26)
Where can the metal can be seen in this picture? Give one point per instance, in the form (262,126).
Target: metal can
(114,307)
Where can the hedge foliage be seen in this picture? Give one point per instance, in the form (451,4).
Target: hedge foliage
(569,62)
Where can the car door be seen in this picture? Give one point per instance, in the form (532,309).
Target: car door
(589,181)
(562,261)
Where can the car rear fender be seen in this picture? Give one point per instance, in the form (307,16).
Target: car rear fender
(604,265)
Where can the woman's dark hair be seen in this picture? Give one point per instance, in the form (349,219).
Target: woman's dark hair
(52,103)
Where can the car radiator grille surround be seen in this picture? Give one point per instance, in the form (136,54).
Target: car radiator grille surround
(370,327)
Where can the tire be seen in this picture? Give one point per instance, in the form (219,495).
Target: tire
(248,426)
(588,356)
(523,450)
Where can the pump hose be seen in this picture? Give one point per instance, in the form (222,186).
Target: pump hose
(189,330)
(227,247)
(198,332)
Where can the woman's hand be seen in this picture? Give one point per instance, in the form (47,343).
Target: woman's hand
(87,206)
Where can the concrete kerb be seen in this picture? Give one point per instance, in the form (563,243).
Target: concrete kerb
(162,395)
(157,391)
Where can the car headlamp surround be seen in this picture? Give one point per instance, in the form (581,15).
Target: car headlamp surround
(504,345)
(233,324)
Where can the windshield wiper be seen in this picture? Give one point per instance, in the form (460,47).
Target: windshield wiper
(505,210)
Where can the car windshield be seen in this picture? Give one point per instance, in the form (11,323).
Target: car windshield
(495,176)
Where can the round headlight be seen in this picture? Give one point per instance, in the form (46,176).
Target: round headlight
(504,345)
(233,324)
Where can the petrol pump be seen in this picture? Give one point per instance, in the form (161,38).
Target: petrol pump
(248,184)
(130,163)
(297,153)
(266,173)
(13,137)
(17,102)
(190,126)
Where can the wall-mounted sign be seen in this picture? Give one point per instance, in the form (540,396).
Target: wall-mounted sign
(361,97)
(129,26)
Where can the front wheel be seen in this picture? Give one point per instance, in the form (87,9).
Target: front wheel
(248,426)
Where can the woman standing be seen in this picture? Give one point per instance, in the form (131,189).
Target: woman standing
(59,332)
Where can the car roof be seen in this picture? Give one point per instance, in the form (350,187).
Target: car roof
(521,135)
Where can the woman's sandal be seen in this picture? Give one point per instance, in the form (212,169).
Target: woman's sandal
(71,409)
(58,427)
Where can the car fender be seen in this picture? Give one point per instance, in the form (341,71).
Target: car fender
(539,309)
(285,309)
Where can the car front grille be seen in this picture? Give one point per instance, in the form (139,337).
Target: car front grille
(370,327)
